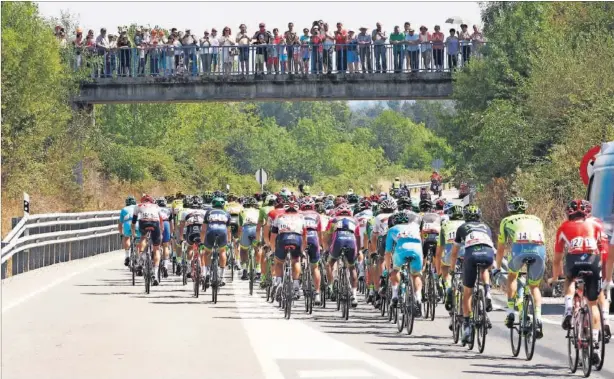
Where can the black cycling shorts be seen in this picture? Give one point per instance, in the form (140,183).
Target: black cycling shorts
(193,233)
(156,237)
(474,255)
(574,263)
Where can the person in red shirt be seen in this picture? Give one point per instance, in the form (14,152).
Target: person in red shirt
(341,42)
(580,239)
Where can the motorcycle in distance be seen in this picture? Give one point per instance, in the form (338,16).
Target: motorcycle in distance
(436,187)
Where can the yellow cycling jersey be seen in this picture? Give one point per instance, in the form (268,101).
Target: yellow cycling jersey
(234,208)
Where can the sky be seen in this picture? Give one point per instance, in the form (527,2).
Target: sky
(199,16)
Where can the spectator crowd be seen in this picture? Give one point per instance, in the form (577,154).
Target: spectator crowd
(317,50)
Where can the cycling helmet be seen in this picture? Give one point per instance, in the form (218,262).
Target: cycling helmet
(328,204)
(291,206)
(320,208)
(402,192)
(197,202)
(179,195)
(231,196)
(400,218)
(350,192)
(353,198)
(250,202)
(218,202)
(308,203)
(130,200)
(426,205)
(147,199)
(456,212)
(270,200)
(187,201)
(472,213)
(388,205)
(404,203)
(517,205)
(161,202)
(306,190)
(440,204)
(424,194)
(207,197)
(415,207)
(339,200)
(363,205)
(577,208)
(343,209)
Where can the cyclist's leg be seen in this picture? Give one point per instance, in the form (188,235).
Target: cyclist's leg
(352,258)
(536,274)
(470,274)
(416,272)
(313,250)
(278,267)
(333,257)
(445,273)
(398,259)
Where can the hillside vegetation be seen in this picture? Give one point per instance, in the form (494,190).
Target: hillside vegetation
(162,148)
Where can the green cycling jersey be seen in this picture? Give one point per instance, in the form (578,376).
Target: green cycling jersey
(264,214)
(521,228)
(448,231)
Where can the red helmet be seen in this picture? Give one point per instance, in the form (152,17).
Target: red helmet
(440,203)
(291,205)
(364,204)
(579,207)
(375,198)
(343,209)
(308,203)
(147,199)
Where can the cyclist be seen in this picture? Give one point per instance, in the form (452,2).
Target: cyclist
(446,241)
(234,208)
(403,241)
(440,204)
(262,231)
(165,213)
(378,244)
(526,234)
(248,220)
(364,215)
(343,232)
(192,219)
(125,217)
(476,237)
(148,216)
(287,230)
(207,199)
(216,227)
(582,242)
(313,235)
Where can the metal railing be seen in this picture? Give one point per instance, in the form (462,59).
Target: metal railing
(45,239)
(306,59)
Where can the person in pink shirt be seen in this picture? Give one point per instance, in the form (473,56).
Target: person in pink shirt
(437,39)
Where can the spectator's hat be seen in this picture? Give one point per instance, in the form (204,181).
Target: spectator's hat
(463,26)
(261,25)
(363,28)
(138,28)
(206,31)
(103,30)
(188,31)
(213,30)
(305,30)
(411,29)
(351,31)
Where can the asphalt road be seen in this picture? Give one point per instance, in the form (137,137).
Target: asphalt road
(84,319)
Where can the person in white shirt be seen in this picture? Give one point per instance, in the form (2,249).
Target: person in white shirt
(215,42)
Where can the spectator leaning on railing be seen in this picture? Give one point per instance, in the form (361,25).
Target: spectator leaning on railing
(452,44)
(328,44)
(316,42)
(205,53)
(465,40)
(477,40)
(267,38)
(397,39)
(215,51)
(305,53)
(77,44)
(291,38)
(412,49)
(437,39)
(341,41)
(425,47)
(352,52)
(364,49)
(243,42)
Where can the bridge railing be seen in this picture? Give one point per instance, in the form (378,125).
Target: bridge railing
(45,239)
(194,60)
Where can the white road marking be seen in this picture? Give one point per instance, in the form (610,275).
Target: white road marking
(335,374)
(59,281)
(296,340)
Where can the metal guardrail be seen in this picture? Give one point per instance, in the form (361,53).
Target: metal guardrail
(45,239)
(308,59)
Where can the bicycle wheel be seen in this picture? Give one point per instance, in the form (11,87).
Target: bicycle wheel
(147,273)
(289,298)
(409,305)
(528,326)
(572,349)
(251,271)
(586,339)
(389,300)
(323,284)
(480,320)
(432,294)
(599,366)
(196,277)
(214,278)
(425,298)
(402,317)
(516,332)
(348,298)
(336,292)
(458,313)
(133,265)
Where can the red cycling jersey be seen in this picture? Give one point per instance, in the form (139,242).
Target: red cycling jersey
(605,247)
(579,237)
(274,213)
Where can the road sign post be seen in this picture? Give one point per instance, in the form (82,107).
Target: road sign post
(261,177)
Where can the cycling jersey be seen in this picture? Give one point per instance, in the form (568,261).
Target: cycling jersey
(430,227)
(403,241)
(148,217)
(472,234)
(363,218)
(313,225)
(248,216)
(446,239)
(166,214)
(125,218)
(604,243)
(217,221)
(380,226)
(345,237)
(273,214)
(324,219)
(263,214)
(521,228)
(234,208)
(289,227)
(194,219)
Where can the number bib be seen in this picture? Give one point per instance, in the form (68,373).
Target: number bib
(478,238)
(530,237)
(218,217)
(431,227)
(582,245)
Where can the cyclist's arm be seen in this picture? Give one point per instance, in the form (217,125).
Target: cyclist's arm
(120,225)
(501,244)
(609,265)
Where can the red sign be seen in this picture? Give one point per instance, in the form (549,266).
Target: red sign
(587,161)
